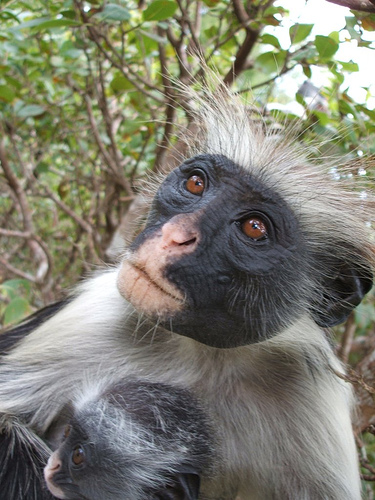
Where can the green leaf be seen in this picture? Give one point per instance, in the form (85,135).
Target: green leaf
(114,12)
(69,49)
(369,112)
(345,108)
(31,24)
(270,40)
(349,66)
(45,23)
(335,35)
(17,309)
(159,10)
(30,110)
(368,23)
(307,71)
(301,100)
(70,14)
(6,93)
(41,168)
(326,46)
(14,82)
(211,3)
(275,10)
(58,23)
(339,75)
(8,14)
(271,62)
(308,53)
(299,32)
(322,117)
(351,25)
(12,287)
(154,37)
(121,83)
(365,43)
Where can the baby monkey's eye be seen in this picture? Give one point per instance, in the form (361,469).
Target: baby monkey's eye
(78,455)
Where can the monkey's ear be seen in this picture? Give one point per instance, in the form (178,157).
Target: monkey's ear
(53,434)
(342,294)
(184,486)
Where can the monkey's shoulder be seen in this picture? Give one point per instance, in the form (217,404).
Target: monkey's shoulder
(11,336)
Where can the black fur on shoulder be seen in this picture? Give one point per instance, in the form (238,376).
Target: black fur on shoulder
(182,486)
(22,459)
(10,337)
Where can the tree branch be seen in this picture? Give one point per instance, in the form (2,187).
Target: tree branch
(107,157)
(16,271)
(347,339)
(361,5)
(170,108)
(131,75)
(247,45)
(39,251)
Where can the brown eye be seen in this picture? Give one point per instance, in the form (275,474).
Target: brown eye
(195,184)
(78,455)
(254,228)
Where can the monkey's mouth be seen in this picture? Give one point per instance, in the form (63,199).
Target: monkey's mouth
(161,288)
(152,295)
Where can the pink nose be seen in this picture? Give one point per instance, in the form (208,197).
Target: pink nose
(179,234)
(54,462)
(53,465)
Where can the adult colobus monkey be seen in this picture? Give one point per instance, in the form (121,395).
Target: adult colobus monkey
(249,250)
(132,440)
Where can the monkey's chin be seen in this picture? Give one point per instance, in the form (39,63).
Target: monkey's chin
(56,492)
(153,298)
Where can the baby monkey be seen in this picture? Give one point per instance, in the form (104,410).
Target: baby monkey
(134,440)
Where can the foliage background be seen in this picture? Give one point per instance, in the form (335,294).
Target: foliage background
(88,106)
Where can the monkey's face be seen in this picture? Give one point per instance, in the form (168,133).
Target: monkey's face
(67,465)
(220,259)
(83,467)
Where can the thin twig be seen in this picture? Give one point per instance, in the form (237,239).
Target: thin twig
(347,339)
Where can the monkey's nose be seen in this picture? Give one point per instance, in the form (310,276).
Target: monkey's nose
(180,234)
(53,463)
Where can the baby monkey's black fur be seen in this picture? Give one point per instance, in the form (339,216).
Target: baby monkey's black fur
(136,440)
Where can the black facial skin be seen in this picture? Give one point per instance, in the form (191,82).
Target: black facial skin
(239,291)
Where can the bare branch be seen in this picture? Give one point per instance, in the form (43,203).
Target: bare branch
(182,59)
(16,187)
(361,5)
(65,208)
(107,157)
(16,271)
(131,75)
(347,339)
(241,56)
(240,63)
(170,108)
(40,254)
(40,276)
(194,45)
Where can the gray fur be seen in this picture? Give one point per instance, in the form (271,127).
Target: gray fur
(138,437)
(282,414)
